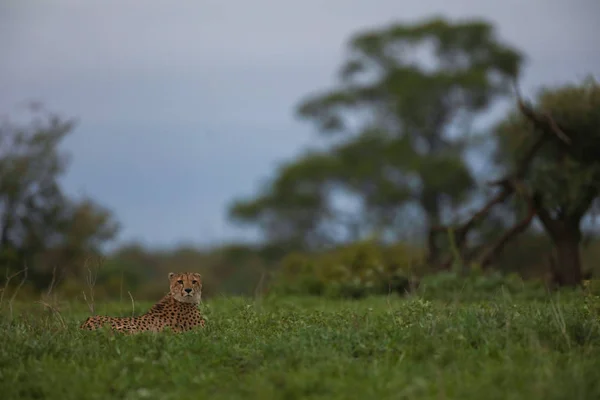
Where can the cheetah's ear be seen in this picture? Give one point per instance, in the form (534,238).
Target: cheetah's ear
(171,275)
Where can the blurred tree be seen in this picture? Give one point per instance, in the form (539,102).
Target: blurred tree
(562,180)
(398,121)
(290,211)
(40,227)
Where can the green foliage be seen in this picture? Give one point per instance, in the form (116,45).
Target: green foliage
(577,108)
(563,178)
(477,285)
(567,176)
(367,268)
(313,348)
(463,58)
(245,270)
(289,210)
(397,114)
(356,270)
(40,227)
(233,269)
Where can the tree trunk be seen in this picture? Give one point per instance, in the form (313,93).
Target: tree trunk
(431,206)
(567,263)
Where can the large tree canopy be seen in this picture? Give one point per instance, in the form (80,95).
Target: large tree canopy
(563,176)
(549,154)
(40,227)
(406,96)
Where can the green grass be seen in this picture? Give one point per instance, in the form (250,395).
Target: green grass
(290,348)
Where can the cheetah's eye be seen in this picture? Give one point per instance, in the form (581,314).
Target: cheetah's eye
(180,282)
(194,282)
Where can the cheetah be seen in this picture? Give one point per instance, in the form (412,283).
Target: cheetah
(177,310)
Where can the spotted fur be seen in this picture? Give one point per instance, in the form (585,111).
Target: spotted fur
(177,310)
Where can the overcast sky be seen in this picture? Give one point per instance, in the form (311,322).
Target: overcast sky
(185,105)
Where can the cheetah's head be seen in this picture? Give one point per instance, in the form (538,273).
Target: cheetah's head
(186,286)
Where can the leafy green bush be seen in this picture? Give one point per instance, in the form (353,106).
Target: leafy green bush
(368,268)
(477,285)
(354,271)
(298,275)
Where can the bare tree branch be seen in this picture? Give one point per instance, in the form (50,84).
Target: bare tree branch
(541,120)
(491,252)
(508,184)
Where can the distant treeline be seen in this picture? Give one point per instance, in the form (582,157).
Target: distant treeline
(397,133)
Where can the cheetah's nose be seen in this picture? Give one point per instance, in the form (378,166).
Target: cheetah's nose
(188,290)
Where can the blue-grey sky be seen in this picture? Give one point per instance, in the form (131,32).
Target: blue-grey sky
(185,105)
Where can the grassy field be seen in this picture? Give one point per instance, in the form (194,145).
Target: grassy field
(291,348)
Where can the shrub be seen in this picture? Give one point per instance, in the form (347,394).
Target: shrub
(477,284)
(354,271)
